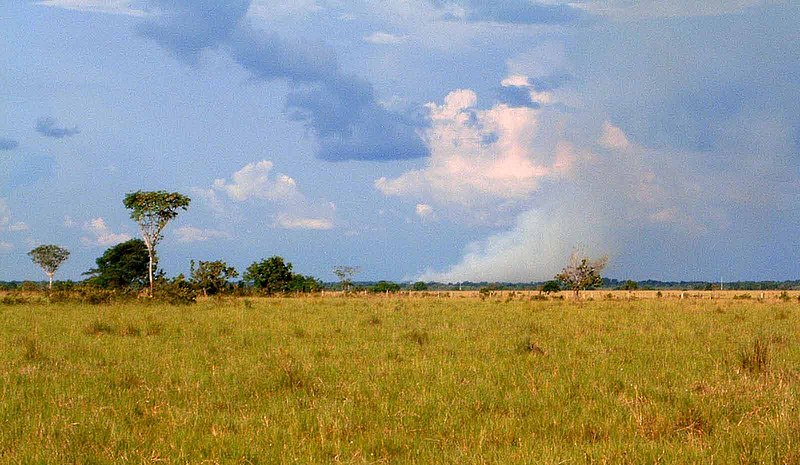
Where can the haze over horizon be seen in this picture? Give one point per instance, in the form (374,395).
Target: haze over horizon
(418,139)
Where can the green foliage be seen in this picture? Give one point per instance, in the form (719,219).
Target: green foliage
(420,286)
(155,208)
(385,286)
(212,277)
(629,285)
(582,273)
(124,265)
(49,257)
(176,291)
(302,283)
(551,286)
(270,275)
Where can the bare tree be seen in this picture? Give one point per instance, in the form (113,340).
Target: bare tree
(49,258)
(345,274)
(581,272)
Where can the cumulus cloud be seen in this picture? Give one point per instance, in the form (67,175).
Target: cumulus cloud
(384,38)
(340,109)
(49,127)
(256,183)
(511,11)
(192,234)
(8,144)
(118,7)
(479,157)
(613,137)
(101,235)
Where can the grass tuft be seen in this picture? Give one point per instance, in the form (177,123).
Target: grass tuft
(755,359)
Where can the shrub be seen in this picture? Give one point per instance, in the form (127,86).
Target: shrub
(176,291)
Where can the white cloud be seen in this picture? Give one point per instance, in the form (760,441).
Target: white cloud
(119,7)
(424,210)
(193,234)
(286,221)
(384,38)
(614,138)
(18,226)
(5,213)
(6,247)
(69,222)
(101,234)
(254,181)
(479,157)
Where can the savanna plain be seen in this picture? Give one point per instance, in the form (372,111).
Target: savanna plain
(402,380)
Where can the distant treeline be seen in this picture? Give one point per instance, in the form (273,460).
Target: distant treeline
(608,283)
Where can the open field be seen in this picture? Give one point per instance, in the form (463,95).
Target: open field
(402,380)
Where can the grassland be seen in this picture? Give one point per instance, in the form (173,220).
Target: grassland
(402,380)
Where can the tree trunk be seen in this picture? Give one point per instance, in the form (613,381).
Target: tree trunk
(577,293)
(150,269)
(50,275)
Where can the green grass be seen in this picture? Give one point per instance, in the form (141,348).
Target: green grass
(383,380)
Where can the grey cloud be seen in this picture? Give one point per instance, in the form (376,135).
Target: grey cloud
(8,144)
(341,110)
(48,127)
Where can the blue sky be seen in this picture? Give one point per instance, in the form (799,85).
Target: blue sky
(417,139)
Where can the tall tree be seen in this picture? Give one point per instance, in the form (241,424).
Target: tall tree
(49,258)
(271,275)
(581,272)
(123,265)
(152,210)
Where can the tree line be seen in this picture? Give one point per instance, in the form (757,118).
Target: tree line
(133,265)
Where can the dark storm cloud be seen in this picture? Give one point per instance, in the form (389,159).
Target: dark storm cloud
(341,110)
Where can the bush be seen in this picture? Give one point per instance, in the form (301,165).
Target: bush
(756,359)
(176,291)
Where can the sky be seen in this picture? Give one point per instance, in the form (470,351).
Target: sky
(446,140)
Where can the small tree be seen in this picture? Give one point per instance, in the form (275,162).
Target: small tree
(49,258)
(345,274)
(271,275)
(581,272)
(152,211)
(212,277)
(551,286)
(420,286)
(629,285)
(302,283)
(123,265)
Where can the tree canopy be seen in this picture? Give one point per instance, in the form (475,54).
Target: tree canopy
(49,257)
(271,275)
(123,265)
(212,277)
(581,272)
